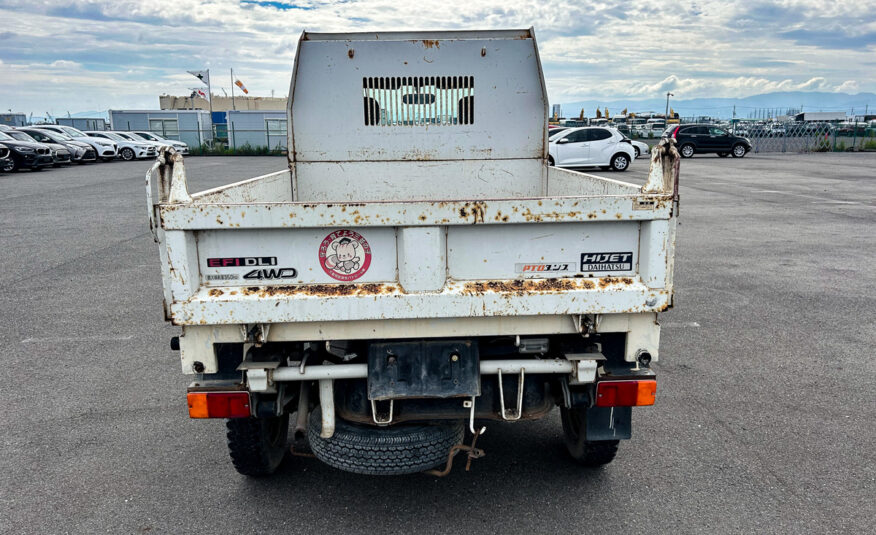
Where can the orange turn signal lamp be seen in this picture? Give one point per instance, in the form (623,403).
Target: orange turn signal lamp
(218,404)
(637,393)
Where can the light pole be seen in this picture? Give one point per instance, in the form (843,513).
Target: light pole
(668,94)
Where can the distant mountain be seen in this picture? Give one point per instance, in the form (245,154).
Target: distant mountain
(722,108)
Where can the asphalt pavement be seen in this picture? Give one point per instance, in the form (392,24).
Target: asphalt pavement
(765,418)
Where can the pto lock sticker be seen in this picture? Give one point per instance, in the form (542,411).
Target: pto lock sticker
(344,255)
(591,262)
(542,267)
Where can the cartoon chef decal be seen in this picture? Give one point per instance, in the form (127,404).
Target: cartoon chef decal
(345,255)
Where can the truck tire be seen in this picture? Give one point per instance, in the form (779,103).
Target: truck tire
(586,452)
(257,445)
(395,450)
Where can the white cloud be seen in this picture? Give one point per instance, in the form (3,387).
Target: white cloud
(849,86)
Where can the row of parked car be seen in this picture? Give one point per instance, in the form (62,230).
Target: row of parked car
(608,148)
(36,147)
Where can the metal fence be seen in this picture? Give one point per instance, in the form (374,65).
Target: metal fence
(791,136)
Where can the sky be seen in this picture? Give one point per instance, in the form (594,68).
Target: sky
(76,55)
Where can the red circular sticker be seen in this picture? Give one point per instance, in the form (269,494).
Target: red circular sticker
(344,255)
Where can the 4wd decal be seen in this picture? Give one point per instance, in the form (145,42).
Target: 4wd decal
(344,255)
(271,273)
(542,267)
(591,262)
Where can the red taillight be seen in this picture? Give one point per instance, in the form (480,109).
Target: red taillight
(625,393)
(218,404)
(675,132)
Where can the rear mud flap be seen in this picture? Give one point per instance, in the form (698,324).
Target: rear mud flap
(609,423)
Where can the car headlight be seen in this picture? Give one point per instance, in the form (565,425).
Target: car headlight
(25,150)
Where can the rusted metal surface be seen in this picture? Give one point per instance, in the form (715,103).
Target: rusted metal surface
(318,290)
(357,302)
(523,287)
(471,451)
(412,213)
(665,165)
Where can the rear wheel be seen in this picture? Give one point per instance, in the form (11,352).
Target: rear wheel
(620,162)
(687,150)
(551,160)
(394,450)
(638,152)
(586,452)
(739,150)
(257,445)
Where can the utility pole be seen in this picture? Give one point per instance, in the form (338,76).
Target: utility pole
(666,115)
(209,94)
(233,107)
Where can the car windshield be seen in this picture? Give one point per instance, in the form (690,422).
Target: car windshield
(134,136)
(55,136)
(114,136)
(556,135)
(72,132)
(5,137)
(22,136)
(123,135)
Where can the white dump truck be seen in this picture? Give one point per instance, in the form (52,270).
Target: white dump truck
(419,270)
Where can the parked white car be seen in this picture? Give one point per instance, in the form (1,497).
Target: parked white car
(128,150)
(134,138)
(640,147)
(106,149)
(180,146)
(591,146)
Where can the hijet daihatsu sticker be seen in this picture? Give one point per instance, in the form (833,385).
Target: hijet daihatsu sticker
(344,255)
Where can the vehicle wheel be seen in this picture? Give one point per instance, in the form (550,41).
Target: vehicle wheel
(586,452)
(739,151)
(638,152)
(9,166)
(723,154)
(257,445)
(394,450)
(620,162)
(551,160)
(687,150)
(127,154)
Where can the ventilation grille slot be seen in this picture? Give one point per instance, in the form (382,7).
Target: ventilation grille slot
(418,100)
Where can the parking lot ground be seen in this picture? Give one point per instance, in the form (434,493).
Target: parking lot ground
(765,419)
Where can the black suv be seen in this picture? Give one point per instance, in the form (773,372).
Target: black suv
(702,138)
